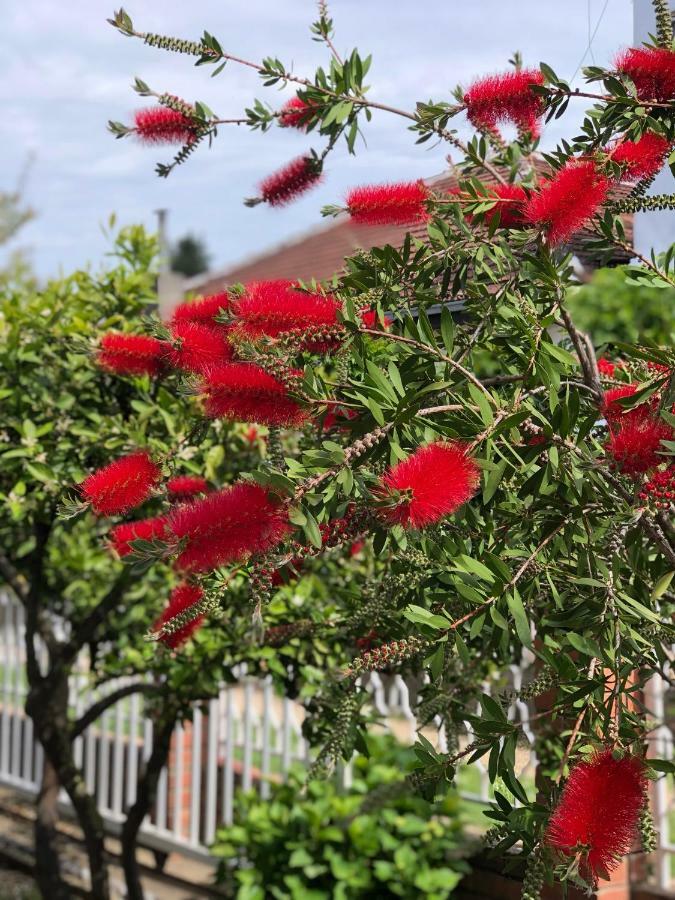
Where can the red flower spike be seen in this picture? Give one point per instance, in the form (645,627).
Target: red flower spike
(652,71)
(245,392)
(389,204)
(295,113)
(339,417)
(606,367)
(643,158)
(130,354)
(204,310)
(122,535)
(598,812)
(271,308)
(634,446)
(160,125)
(614,411)
(182,598)
(197,347)
(296,178)
(511,211)
(122,484)
(506,98)
(182,486)
(564,204)
(434,482)
(228,526)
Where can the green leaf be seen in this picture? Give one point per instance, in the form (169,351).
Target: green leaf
(662,585)
(517,609)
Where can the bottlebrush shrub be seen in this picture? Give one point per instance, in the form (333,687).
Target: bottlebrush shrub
(271,308)
(482,362)
(596,819)
(245,392)
(204,310)
(643,158)
(161,125)
(184,598)
(196,347)
(227,526)
(389,204)
(131,354)
(182,486)
(433,482)
(122,484)
(606,368)
(287,184)
(568,200)
(651,69)
(507,97)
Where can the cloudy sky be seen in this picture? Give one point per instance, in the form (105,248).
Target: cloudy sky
(64,72)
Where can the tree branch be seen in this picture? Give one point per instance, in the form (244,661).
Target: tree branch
(97,709)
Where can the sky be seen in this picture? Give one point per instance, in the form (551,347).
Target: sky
(64,72)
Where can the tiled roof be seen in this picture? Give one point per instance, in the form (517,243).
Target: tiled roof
(320,253)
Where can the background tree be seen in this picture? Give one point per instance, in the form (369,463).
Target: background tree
(190,256)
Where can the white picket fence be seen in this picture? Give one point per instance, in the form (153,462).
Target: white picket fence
(247,737)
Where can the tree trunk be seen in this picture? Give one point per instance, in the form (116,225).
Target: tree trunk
(47,865)
(146,793)
(47,706)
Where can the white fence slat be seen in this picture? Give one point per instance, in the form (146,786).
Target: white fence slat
(196,777)
(213,728)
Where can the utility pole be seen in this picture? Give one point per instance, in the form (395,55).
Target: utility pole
(169,284)
(654,228)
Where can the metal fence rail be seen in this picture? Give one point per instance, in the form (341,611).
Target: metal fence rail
(246,737)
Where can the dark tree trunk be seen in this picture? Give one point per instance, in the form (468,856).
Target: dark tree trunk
(47,705)
(146,794)
(47,865)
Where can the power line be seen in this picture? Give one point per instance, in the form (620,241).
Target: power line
(591,37)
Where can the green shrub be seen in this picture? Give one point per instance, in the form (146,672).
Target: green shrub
(321,841)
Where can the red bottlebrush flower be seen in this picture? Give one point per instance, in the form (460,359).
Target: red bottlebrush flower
(204,310)
(356,547)
(658,367)
(122,484)
(295,113)
(197,347)
(161,125)
(506,98)
(661,488)
(338,417)
(228,526)
(181,600)
(652,71)
(430,484)
(296,178)
(389,204)
(633,446)
(246,392)
(130,354)
(566,202)
(122,535)
(643,158)
(370,319)
(614,411)
(511,210)
(606,367)
(272,308)
(598,813)
(181,486)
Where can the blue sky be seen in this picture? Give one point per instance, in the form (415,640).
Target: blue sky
(64,72)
